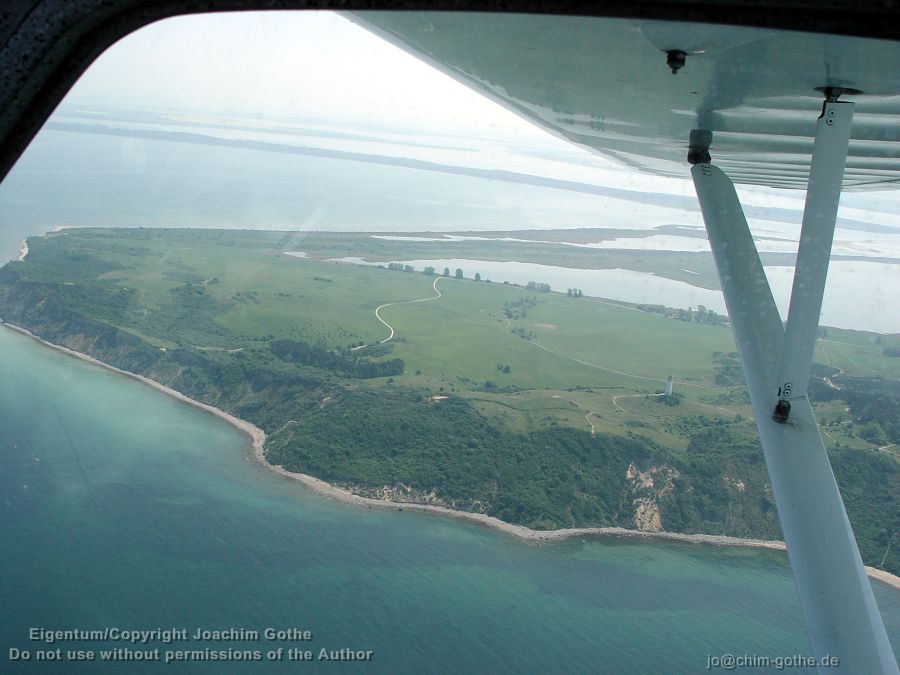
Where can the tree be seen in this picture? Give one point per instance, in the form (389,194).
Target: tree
(477,276)
(446,271)
(569,292)
(429,271)
(459,273)
(874,433)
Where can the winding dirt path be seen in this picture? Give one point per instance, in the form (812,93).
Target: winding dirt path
(402,302)
(588,418)
(615,399)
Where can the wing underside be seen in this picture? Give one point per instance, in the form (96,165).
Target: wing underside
(604,84)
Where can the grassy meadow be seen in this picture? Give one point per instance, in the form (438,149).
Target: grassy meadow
(538,407)
(586,362)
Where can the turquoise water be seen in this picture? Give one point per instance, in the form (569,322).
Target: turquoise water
(121,508)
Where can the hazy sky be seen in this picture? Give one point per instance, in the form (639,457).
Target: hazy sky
(319,64)
(298,64)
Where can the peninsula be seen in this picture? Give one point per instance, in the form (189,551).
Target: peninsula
(535,411)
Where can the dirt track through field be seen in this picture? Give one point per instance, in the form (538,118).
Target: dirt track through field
(402,302)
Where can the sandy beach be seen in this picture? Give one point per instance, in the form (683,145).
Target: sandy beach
(258,438)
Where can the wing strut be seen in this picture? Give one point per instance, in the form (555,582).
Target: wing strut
(819,215)
(842,619)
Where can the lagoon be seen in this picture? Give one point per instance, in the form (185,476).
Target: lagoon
(859,295)
(613,284)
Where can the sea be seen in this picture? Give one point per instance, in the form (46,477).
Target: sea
(130,521)
(124,510)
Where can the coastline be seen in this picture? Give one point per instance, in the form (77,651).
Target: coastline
(258,438)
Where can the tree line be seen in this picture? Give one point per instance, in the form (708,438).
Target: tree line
(317,356)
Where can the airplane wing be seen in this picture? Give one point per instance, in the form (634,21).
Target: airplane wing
(742,105)
(604,84)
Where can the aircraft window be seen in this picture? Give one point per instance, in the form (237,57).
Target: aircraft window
(443,271)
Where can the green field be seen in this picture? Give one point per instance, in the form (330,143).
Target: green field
(537,407)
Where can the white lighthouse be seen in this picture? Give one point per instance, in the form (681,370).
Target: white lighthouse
(669,385)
